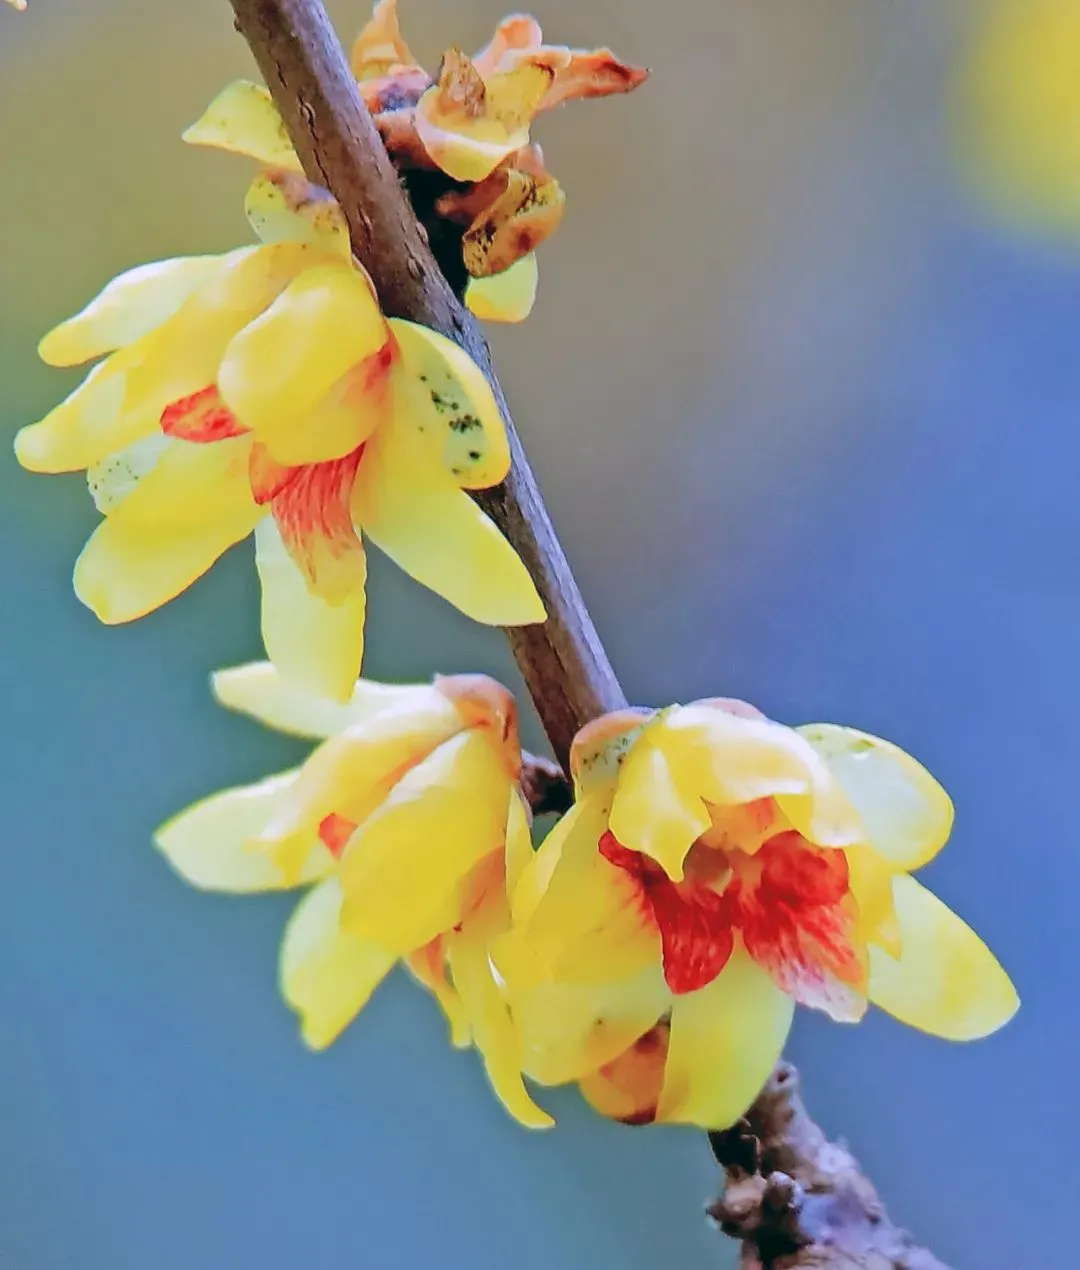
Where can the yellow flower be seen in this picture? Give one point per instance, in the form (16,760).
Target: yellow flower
(717,869)
(18,4)
(1017,110)
(409,821)
(472,123)
(263,391)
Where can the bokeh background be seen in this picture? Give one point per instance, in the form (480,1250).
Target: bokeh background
(805,411)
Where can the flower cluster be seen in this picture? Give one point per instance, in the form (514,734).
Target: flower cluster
(716,868)
(470,123)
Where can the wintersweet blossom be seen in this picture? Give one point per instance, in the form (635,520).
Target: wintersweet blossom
(472,123)
(717,869)
(408,822)
(1017,109)
(263,390)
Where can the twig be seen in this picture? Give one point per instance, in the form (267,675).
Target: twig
(813,1208)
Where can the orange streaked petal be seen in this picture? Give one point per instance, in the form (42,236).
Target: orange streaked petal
(628,1087)
(202,417)
(313,516)
(379,48)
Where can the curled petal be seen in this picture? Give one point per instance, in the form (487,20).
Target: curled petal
(519,848)
(453,406)
(505,297)
(515,223)
(209,844)
(259,690)
(316,642)
(907,815)
(379,48)
(286,207)
(469,126)
(170,529)
(628,1087)
(201,417)
(945,981)
(403,869)
(243,119)
(412,509)
(725,1039)
(131,306)
(592,73)
(283,365)
(353,773)
(517,33)
(327,974)
(492,1029)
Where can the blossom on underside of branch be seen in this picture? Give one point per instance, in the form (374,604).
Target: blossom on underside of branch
(408,824)
(263,391)
(716,870)
(471,123)
(1016,111)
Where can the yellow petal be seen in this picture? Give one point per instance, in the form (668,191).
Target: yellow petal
(453,406)
(505,297)
(178,520)
(946,981)
(121,401)
(116,476)
(208,844)
(327,974)
(259,690)
(871,881)
(284,364)
(129,307)
(287,207)
(379,46)
(577,917)
(316,645)
(908,816)
(402,868)
(412,509)
(658,810)
(352,773)
(428,967)
(725,1040)
(243,119)
(493,1031)
(568,1030)
(628,1087)
(519,848)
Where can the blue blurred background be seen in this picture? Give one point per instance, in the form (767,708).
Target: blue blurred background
(807,420)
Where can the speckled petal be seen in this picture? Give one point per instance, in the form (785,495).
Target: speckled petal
(243,119)
(287,207)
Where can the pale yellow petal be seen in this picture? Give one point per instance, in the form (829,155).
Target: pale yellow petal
(658,807)
(282,366)
(454,406)
(870,878)
(171,528)
(116,476)
(129,307)
(412,509)
(907,814)
(352,773)
(428,967)
(493,1031)
(209,843)
(505,297)
(121,401)
(259,690)
(725,1040)
(316,645)
(402,868)
(243,119)
(945,981)
(568,1030)
(327,974)
(287,207)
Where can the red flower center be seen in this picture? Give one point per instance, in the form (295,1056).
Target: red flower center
(789,902)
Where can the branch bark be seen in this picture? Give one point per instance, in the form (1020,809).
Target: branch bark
(794,1199)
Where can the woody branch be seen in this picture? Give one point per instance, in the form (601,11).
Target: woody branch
(794,1199)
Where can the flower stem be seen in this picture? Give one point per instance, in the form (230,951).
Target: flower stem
(812,1216)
